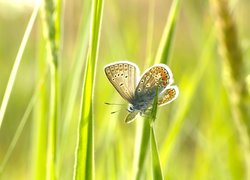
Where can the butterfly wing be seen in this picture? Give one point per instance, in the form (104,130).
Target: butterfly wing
(168,95)
(131,117)
(123,76)
(158,75)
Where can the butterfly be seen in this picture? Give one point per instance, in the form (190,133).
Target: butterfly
(123,75)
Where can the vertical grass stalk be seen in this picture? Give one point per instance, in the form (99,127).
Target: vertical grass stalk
(84,159)
(163,52)
(163,57)
(150,33)
(156,165)
(52,30)
(40,120)
(74,84)
(234,74)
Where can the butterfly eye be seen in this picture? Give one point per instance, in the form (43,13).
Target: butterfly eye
(131,108)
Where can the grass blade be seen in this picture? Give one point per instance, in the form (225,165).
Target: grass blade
(156,165)
(40,119)
(17,63)
(163,52)
(73,88)
(234,75)
(52,21)
(179,118)
(139,166)
(21,125)
(161,56)
(84,160)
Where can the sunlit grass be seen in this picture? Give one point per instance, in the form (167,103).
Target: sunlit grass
(84,158)
(162,55)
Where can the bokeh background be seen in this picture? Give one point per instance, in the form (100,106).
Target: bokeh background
(206,144)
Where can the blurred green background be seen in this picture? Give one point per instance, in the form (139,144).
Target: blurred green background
(207,145)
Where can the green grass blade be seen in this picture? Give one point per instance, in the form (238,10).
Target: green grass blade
(40,119)
(84,160)
(148,134)
(154,107)
(18,133)
(234,74)
(186,99)
(139,166)
(150,33)
(17,63)
(21,125)
(156,165)
(52,29)
(74,86)
(161,56)
(163,52)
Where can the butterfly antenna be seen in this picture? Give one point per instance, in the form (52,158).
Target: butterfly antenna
(115,104)
(113,112)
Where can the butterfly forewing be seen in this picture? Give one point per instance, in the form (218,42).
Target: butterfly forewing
(168,95)
(123,76)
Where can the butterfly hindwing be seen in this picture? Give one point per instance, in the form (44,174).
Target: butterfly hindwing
(123,76)
(168,95)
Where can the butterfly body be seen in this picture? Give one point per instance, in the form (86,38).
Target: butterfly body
(123,75)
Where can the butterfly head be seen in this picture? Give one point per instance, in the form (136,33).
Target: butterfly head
(131,108)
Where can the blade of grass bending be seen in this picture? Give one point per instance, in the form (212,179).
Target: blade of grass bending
(156,165)
(163,52)
(73,87)
(21,125)
(154,107)
(40,120)
(52,10)
(162,56)
(17,63)
(179,118)
(144,141)
(150,33)
(234,74)
(148,133)
(84,159)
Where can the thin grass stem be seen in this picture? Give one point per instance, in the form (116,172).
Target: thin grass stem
(84,158)
(21,125)
(234,74)
(17,62)
(161,56)
(164,49)
(52,29)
